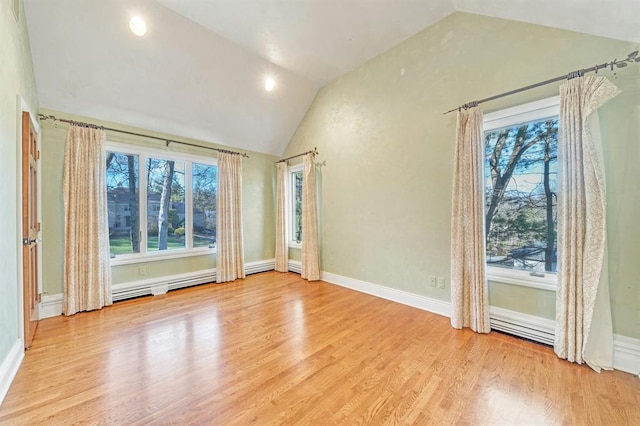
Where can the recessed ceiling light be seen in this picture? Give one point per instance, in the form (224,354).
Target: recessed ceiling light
(137,25)
(269,83)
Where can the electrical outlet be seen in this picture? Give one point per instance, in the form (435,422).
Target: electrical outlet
(432,281)
(441,283)
(142,270)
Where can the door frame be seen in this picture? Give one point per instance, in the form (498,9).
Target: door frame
(22,106)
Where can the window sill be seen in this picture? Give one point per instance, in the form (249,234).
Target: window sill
(294,245)
(154,257)
(522,278)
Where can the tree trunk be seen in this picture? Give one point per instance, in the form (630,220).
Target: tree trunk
(134,205)
(110,158)
(165,202)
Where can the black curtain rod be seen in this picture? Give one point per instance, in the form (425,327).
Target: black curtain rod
(167,141)
(314,151)
(632,57)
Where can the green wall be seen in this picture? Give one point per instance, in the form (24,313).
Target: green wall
(257,205)
(16,80)
(387,151)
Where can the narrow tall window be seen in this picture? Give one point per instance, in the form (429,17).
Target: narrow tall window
(165,204)
(520,171)
(295,197)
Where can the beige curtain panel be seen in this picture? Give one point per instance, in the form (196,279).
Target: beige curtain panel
(584,331)
(310,244)
(469,298)
(230,251)
(87,273)
(282,251)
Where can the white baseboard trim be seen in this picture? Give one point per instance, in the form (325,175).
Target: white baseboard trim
(9,367)
(626,350)
(626,354)
(50,306)
(425,303)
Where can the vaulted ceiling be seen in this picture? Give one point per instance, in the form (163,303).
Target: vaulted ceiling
(199,71)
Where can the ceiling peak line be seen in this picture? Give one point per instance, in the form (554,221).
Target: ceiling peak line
(167,141)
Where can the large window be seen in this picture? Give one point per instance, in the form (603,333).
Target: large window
(520,170)
(169,208)
(294,230)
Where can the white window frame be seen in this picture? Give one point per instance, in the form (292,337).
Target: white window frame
(291,206)
(143,154)
(537,110)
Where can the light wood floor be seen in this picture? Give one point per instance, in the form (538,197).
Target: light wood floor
(274,349)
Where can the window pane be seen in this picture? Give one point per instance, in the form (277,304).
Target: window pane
(297,206)
(122,203)
(520,195)
(165,204)
(204,181)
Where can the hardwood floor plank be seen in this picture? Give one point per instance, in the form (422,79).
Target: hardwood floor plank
(275,349)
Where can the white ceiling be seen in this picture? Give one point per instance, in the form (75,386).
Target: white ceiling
(318,39)
(199,70)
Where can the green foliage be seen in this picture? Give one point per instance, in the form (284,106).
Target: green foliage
(174,219)
(179,232)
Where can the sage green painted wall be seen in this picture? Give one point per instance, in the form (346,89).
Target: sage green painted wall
(527,300)
(388,152)
(16,80)
(257,204)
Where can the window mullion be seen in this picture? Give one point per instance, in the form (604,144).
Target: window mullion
(188,204)
(142,194)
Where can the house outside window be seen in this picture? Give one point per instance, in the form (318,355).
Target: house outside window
(167,209)
(520,192)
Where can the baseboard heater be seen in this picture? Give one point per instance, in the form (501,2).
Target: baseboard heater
(175,282)
(530,327)
(295,266)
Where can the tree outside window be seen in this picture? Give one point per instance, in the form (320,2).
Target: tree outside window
(179,194)
(521,195)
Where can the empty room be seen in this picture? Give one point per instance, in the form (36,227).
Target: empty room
(320,212)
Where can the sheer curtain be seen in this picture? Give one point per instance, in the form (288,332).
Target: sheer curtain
(282,252)
(87,273)
(469,298)
(584,331)
(230,251)
(310,249)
